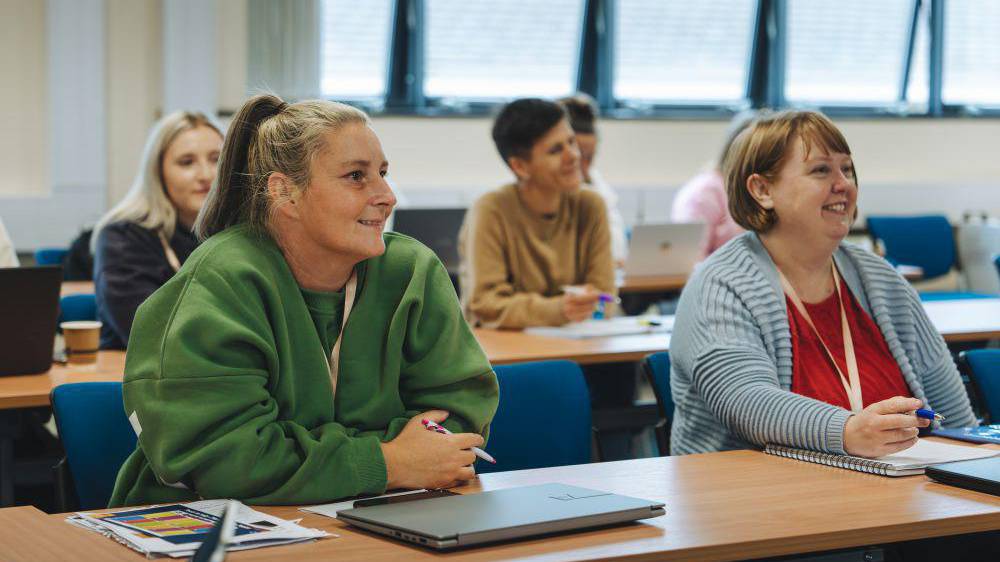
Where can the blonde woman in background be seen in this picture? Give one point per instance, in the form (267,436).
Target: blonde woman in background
(141,242)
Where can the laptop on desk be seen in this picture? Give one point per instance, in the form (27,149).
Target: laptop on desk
(29,307)
(435,228)
(470,519)
(664,249)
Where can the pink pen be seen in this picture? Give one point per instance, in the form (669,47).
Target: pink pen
(432,426)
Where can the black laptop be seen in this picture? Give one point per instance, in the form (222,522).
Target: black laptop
(982,475)
(29,307)
(435,228)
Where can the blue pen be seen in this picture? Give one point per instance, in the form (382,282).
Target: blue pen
(929,415)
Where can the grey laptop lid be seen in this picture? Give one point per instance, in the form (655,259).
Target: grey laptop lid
(469,519)
(664,249)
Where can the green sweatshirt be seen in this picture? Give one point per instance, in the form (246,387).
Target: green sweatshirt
(227,382)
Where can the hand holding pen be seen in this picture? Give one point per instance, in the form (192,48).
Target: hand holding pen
(418,458)
(433,426)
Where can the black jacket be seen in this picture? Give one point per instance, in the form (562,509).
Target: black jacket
(129,265)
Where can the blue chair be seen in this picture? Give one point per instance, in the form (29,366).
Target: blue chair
(543,419)
(50,256)
(656,369)
(926,241)
(97,437)
(82,306)
(983,368)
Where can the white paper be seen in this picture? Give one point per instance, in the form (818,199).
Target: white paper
(331,509)
(926,453)
(621,326)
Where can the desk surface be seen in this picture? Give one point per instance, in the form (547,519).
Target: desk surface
(513,346)
(23,391)
(966,319)
(76,288)
(720,506)
(653,284)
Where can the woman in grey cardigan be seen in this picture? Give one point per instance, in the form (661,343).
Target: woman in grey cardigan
(759,352)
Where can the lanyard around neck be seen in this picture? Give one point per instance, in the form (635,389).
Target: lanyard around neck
(334,364)
(852,382)
(175,263)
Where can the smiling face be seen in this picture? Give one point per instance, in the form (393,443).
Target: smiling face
(344,208)
(814,196)
(554,163)
(189,166)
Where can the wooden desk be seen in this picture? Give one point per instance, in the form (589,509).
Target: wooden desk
(76,288)
(965,320)
(23,391)
(514,346)
(653,284)
(29,535)
(720,506)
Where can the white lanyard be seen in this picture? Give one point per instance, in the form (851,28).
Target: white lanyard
(171,256)
(334,364)
(852,382)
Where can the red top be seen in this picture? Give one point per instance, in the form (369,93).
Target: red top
(812,373)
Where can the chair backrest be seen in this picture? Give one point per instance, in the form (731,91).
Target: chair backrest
(543,418)
(81,306)
(50,256)
(926,241)
(983,368)
(96,434)
(657,370)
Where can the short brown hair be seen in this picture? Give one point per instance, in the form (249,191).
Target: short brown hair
(582,111)
(762,148)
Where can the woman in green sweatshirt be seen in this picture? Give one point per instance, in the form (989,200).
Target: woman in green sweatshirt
(294,355)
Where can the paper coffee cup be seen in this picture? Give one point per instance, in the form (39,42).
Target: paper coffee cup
(83,338)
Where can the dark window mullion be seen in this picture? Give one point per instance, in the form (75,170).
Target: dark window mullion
(936,59)
(596,61)
(766,86)
(406,57)
(911,44)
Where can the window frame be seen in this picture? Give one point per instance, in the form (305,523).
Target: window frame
(595,72)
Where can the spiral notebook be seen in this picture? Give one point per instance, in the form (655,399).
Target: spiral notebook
(904,463)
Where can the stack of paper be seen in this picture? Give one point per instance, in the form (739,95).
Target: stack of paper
(177,530)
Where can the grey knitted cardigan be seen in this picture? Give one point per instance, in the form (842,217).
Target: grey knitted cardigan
(731,353)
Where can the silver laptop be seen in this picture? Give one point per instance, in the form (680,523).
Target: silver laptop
(470,519)
(664,249)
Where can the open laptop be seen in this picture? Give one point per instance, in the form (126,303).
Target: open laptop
(470,519)
(435,228)
(664,249)
(982,475)
(29,307)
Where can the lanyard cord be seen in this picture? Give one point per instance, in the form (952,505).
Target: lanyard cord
(852,382)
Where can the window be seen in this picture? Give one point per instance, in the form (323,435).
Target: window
(488,50)
(355,48)
(682,51)
(971,53)
(850,52)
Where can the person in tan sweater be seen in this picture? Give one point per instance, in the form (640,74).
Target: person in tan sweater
(523,243)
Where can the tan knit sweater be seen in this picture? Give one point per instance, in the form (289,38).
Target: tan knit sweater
(514,262)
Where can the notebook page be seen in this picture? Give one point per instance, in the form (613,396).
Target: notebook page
(931,452)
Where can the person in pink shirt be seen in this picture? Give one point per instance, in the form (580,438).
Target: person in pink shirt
(703,197)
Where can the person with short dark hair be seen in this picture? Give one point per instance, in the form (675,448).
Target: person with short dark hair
(522,245)
(583,112)
(788,336)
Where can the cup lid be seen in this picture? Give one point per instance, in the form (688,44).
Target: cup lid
(80,324)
